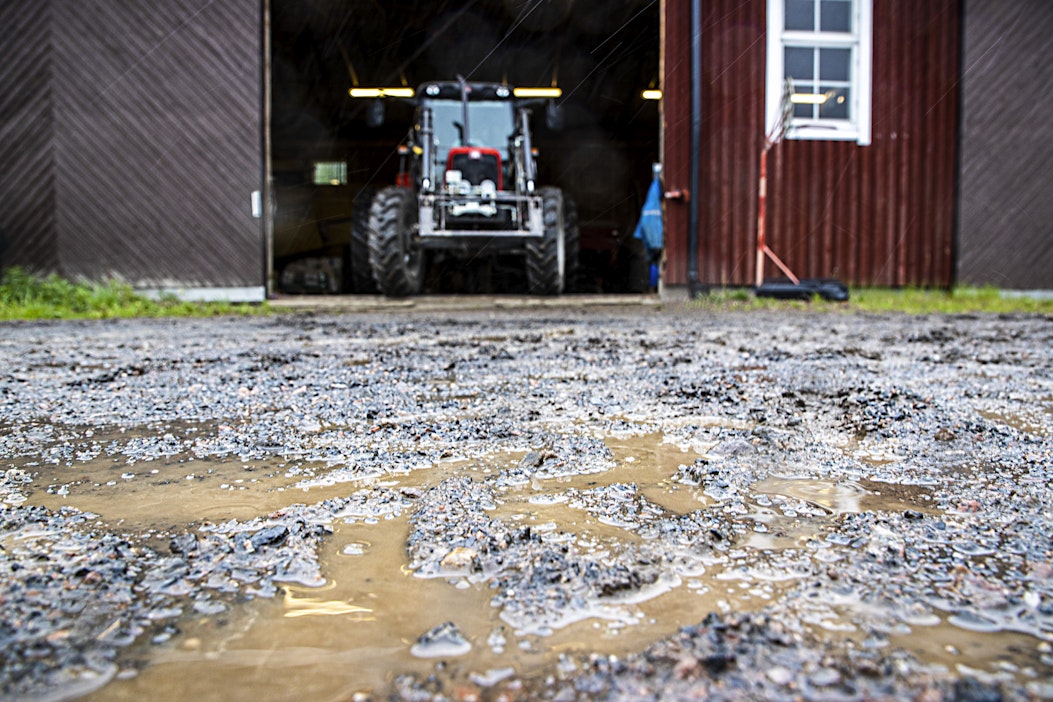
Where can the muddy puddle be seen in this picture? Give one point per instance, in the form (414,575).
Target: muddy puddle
(167,494)
(355,632)
(359,630)
(311,643)
(1034,420)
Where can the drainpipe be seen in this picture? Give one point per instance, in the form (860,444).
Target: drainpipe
(695,288)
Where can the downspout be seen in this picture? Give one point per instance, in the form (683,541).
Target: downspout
(695,288)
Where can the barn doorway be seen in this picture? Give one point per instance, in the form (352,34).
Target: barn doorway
(327,154)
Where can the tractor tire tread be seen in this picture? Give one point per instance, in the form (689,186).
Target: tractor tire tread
(393,274)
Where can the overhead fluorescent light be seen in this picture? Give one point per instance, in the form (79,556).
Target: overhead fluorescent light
(651,95)
(537,92)
(380,92)
(811,98)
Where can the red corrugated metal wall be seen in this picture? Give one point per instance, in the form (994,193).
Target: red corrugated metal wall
(881,214)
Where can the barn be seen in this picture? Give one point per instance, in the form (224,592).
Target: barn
(211,150)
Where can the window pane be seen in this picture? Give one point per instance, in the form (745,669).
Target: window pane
(834,64)
(800,15)
(835,16)
(330,173)
(803,111)
(800,63)
(836,105)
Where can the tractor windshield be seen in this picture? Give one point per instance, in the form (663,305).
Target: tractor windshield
(490,124)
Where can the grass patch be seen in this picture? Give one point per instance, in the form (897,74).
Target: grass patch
(962,300)
(24,295)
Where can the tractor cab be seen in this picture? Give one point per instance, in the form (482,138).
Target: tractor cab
(490,125)
(472,140)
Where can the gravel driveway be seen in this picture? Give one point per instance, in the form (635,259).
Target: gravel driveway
(560,503)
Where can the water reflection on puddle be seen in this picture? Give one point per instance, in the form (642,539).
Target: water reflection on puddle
(834,498)
(793,512)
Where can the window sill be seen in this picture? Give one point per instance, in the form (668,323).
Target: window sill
(826,133)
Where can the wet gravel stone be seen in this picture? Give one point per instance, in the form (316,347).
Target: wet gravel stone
(950,415)
(735,657)
(539,580)
(754,657)
(73,596)
(68,601)
(442,641)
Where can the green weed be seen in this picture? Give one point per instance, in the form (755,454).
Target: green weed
(24,295)
(961,300)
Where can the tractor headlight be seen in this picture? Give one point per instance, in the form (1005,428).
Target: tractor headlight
(453,179)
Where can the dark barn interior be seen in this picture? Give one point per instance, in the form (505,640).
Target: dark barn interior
(602,54)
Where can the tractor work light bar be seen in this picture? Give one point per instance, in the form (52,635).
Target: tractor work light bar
(537,92)
(380,92)
(651,95)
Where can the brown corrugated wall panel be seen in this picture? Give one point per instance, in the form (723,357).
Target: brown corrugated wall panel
(881,214)
(158,140)
(152,145)
(27,184)
(1006,220)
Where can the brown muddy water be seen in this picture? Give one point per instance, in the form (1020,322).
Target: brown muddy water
(355,632)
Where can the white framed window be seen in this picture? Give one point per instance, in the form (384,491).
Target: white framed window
(823,49)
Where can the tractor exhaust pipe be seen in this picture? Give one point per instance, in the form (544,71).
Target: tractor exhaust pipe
(528,149)
(464,111)
(427,132)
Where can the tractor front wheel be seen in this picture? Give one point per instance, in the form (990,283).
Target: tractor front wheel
(545,257)
(394,252)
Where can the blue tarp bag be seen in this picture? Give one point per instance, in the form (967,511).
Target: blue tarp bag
(649,228)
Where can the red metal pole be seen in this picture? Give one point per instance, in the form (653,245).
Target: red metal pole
(762,214)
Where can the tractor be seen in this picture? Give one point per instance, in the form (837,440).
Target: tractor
(467,184)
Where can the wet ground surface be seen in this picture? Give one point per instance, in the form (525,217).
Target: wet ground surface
(535,503)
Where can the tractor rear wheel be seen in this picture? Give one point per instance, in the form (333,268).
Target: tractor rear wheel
(571,244)
(394,252)
(545,257)
(358,273)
